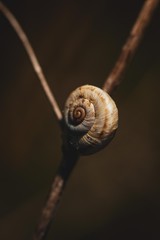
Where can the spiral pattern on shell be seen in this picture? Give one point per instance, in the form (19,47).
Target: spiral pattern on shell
(91,119)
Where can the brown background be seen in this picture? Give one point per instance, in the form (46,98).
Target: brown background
(114,194)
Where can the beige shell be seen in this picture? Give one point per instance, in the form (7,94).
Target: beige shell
(91,118)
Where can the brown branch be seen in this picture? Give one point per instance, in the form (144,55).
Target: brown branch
(50,208)
(37,68)
(110,84)
(130,46)
(70,157)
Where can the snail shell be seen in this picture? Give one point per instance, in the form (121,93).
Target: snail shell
(91,119)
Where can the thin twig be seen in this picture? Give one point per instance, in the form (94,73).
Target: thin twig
(110,84)
(21,34)
(130,46)
(50,208)
(70,157)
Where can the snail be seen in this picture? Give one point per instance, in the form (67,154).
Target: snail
(91,119)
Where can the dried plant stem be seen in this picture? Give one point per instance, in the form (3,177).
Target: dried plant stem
(50,207)
(112,81)
(130,46)
(21,34)
(68,162)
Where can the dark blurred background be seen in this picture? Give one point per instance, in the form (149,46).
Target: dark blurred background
(114,194)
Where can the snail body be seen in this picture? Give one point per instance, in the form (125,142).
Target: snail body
(91,119)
